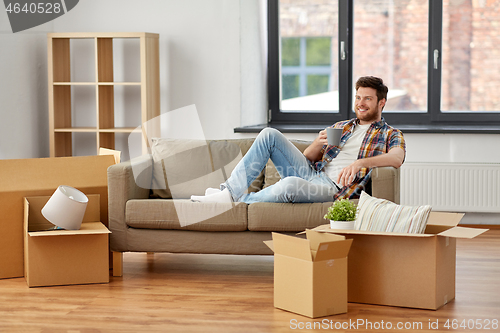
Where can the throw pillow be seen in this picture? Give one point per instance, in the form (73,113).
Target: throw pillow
(375,214)
(230,152)
(183,167)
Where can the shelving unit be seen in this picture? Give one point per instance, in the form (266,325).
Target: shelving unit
(62,125)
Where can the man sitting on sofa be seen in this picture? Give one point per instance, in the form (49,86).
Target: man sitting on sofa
(322,173)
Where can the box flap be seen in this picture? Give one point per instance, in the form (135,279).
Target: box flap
(315,238)
(115,153)
(88,228)
(292,246)
(444,219)
(333,250)
(461,232)
(269,244)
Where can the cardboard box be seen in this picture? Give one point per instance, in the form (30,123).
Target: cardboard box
(64,257)
(310,275)
(38,177)
(406,270)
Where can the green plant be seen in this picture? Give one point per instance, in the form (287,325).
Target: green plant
(341,210)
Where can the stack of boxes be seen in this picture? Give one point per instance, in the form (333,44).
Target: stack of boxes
(39,177)
(395,269)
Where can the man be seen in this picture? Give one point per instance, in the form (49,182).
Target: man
(322,173)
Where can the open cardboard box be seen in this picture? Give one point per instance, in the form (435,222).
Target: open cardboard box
(310,275)
(407,270)
(21,178)
(64,257)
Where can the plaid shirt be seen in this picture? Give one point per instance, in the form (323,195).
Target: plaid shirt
(379,139)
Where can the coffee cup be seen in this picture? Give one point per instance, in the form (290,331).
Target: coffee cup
(333,135)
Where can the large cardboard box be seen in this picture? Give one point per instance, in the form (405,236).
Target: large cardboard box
(406,270)
(64,257)
(21,178)
(310,275)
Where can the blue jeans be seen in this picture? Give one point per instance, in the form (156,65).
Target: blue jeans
(300,182)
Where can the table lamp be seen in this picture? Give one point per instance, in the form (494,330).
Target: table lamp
(66,207)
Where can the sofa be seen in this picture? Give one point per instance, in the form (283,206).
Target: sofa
(150,210)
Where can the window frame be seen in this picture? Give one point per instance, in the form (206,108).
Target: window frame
(433,117)
(275,115)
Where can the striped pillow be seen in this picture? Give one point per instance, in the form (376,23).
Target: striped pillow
(375,214)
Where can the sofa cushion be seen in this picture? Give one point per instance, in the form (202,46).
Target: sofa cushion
(271,174)
(186,215)
(265,216)
(182,167)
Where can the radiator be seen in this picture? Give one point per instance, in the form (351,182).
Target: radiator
(452,187)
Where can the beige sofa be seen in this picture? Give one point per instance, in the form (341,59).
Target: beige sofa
(142,219)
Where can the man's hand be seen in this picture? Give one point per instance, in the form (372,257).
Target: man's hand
(313,152)
(322,137)
(347,175)
(394,158)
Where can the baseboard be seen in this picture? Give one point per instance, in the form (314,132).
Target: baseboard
(487,220)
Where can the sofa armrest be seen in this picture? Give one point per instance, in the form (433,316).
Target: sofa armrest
(386,183)
(126,180)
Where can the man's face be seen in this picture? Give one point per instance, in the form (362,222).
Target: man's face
(367,109)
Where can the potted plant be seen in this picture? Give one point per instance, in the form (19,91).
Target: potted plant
(341,214)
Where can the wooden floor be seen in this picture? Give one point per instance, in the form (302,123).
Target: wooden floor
(213,293)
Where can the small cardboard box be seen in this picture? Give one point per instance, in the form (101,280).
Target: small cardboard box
(64,257)
(406,270)
(30,177)
(310,275)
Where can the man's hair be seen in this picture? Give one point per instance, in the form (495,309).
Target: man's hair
(375,83)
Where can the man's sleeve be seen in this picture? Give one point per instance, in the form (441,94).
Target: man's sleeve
(396,139)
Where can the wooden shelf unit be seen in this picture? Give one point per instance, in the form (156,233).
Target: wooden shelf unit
(61,84)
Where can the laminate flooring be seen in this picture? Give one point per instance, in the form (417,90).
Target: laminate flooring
(226,293)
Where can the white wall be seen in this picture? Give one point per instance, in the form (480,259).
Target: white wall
(201,43)
(456,148)
(212,55)
(445,148)
(23,91)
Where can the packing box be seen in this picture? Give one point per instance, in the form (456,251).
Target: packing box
(310,275)
(406,270)
(39,177)
(63,257)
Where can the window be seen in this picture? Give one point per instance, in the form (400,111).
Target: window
(390,41)
(471,56)
(440,60)
(303,65)
(306,71)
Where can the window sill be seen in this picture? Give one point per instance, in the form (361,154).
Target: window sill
(315,128)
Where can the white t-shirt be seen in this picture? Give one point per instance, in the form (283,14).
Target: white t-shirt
(348,154)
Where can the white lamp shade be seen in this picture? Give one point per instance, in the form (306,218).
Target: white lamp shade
(66,208)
